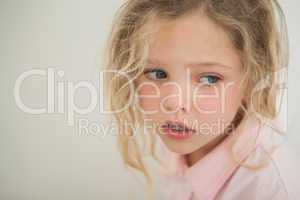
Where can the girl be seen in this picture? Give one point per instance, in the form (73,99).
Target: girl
(200,78)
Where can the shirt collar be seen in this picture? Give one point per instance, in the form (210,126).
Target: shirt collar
(209,174)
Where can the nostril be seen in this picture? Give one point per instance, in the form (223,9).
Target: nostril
(183,109)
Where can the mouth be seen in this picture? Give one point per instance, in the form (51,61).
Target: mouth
(177,130)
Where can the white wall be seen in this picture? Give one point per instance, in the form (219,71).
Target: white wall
(41,156)
(293,16)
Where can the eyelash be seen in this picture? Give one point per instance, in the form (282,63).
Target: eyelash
(148,71)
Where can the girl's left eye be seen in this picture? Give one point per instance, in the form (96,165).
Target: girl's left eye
(156,74)
(209,79)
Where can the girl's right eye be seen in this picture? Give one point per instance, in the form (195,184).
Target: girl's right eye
(155,74)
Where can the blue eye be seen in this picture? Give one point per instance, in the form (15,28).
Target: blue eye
(209,79)
(156,74)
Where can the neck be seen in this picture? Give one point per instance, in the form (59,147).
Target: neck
(197,155)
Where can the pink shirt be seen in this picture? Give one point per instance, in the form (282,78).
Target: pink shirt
(218,177)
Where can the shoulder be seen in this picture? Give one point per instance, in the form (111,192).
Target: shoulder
(275,179)
(286,164)
(283,160)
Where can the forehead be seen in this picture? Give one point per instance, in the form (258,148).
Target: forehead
(192,38)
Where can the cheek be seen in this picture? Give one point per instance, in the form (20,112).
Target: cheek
(148,98)
(207,101)
(232,98)
(206,105)
(217,111)
(218,102)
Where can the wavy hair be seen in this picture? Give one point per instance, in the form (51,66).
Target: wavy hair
(257,28)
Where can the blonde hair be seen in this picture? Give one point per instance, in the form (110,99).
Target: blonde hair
(257,29)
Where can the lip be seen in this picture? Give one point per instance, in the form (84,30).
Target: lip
(178,135)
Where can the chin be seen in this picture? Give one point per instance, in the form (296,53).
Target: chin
(180,147)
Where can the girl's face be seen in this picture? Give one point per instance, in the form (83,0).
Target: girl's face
(192,65)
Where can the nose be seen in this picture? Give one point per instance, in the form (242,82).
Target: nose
(176,97)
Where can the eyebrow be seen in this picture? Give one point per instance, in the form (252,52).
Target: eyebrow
(209,64)
(196,64)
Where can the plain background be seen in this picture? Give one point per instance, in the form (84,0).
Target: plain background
(41,157)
